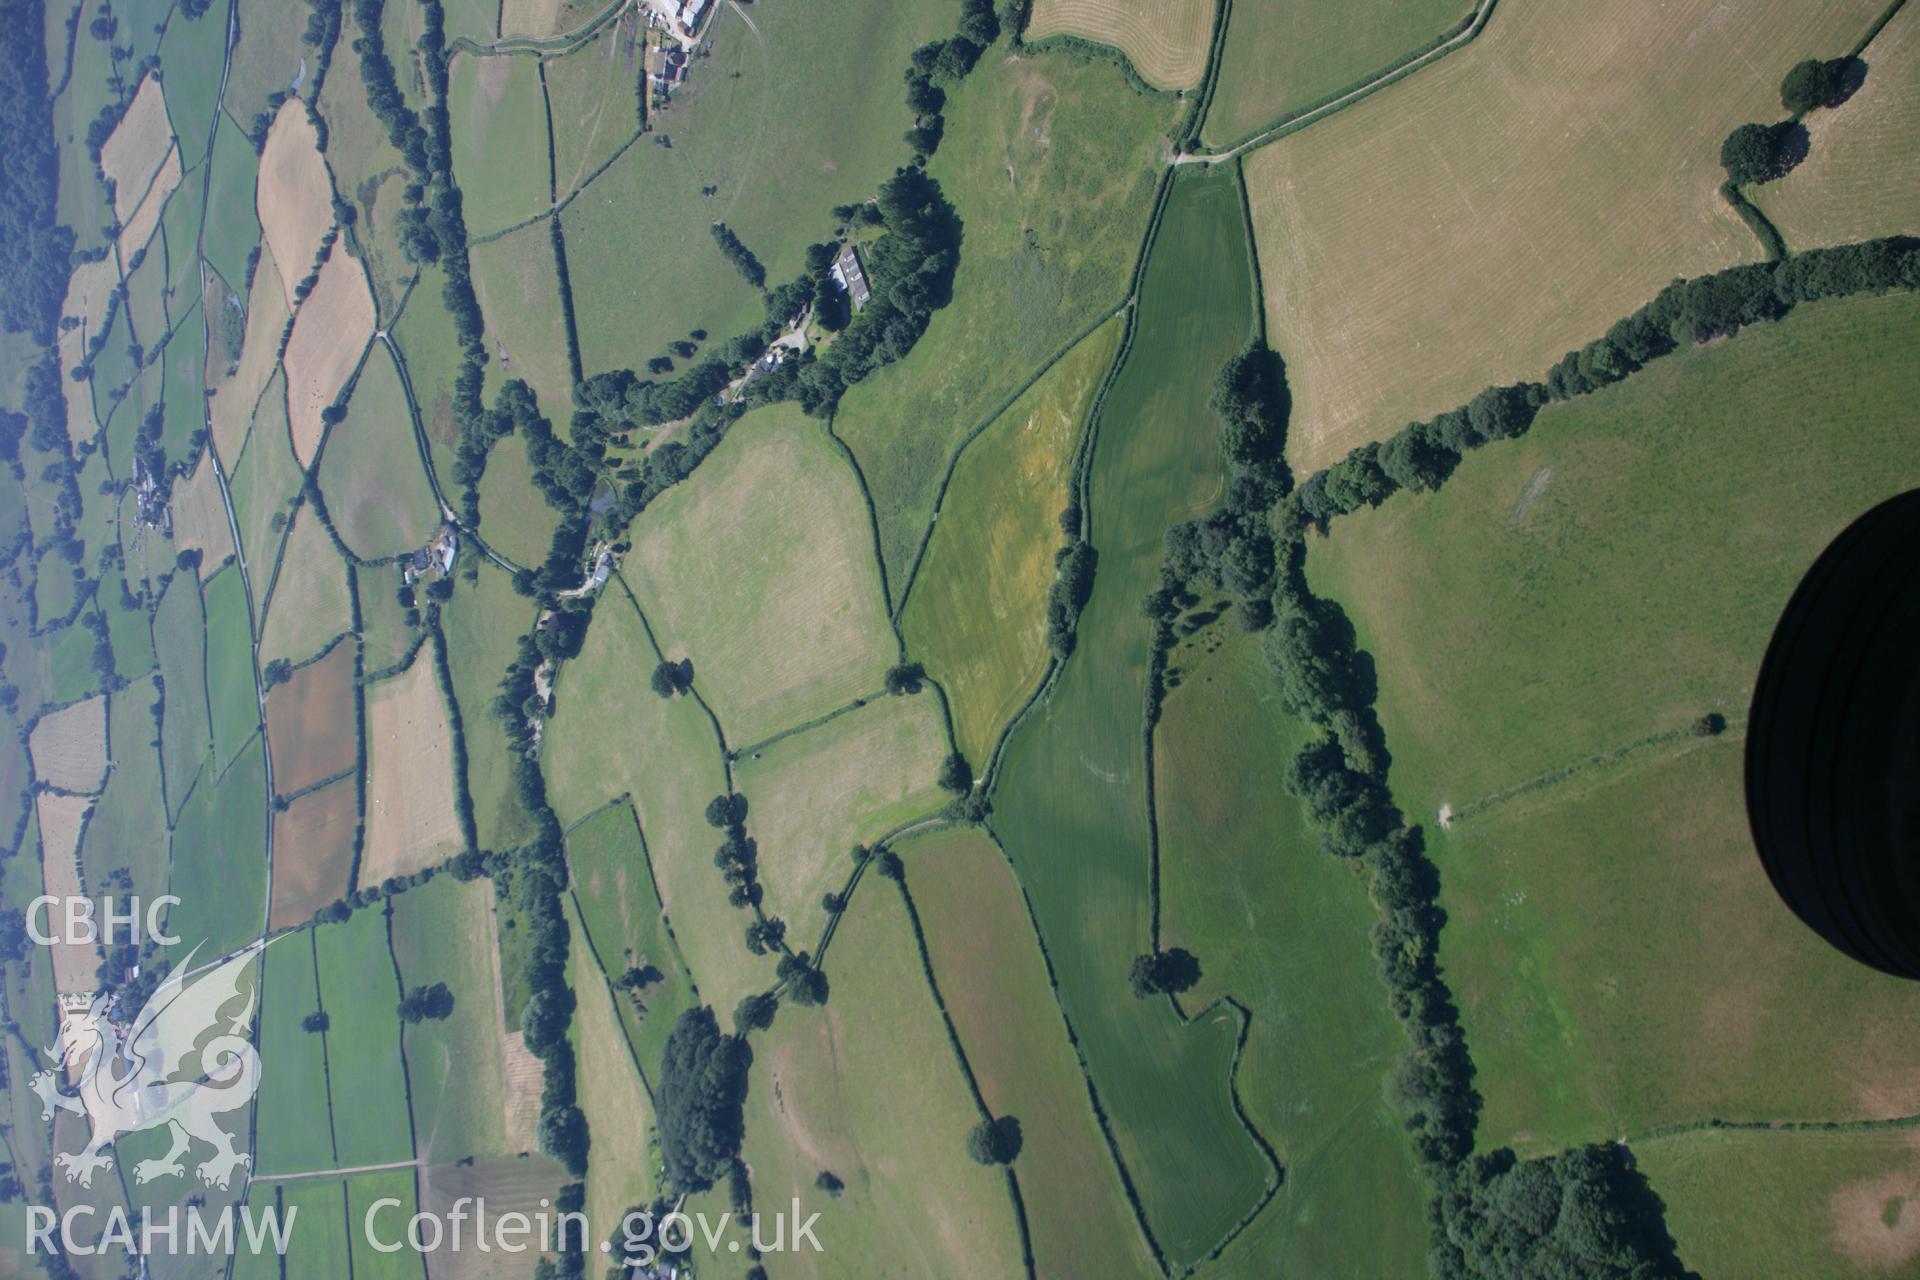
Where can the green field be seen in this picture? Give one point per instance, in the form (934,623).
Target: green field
(591,95)
(626,926)
(366,1086)
(220,856)
(83,199)
(383,623)
(177,242)
(185,405)
(430,347)
(1634,552)
(233,225)
(322,1232)
(665,754)
(443,932)
(265,482)
(1789,1206)
(295,1130)
(993,976)
(815,795)
(1050,162)
(230,693)
(1072,805)
(977,612)
(125,830)
(1282,56)
(515,279)
(483,623)
(370,470)
(310,602)
(613,1095)
(368,172)
(180,640)
(192,55)
(129,630)
(760,568)
(269,57)
(868,1088)
(499,125)
(368,1220)
(514,516)
(784,123)
(1282,927)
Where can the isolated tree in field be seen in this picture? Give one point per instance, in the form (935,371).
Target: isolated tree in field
(1163,972)
(1817,82)
(315,1022)
(995,1141)
(830,1184)
(703,1083)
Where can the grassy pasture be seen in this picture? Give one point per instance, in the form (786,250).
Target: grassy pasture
(1072,805)
(268,58)
(1167,43)
(785,123)
(310,722)
(296,1134)
(128,824)
(1283,56)
(323,1243)
(180,639)
(70,746)
(330,338)
(411,821)
(868,1088)
(388,1224)
(626,927)
(977,613)
(1395,289)
(136,237)
(499,129)
(309,604)
(443,932)
(82,201)
(384,630)
(508,1184)
(360,991)
(514,278)
(129,630)
(610,736)
(1282,927)
(192,55)
(220,856)
(312,853)
(180,225)
(367,171)
(1790,1206)
(1861,177)
(483,623)
(760,566)
(613,1096)
(200,519)
(993,977)
(233,224)
(593,96)
(1051,163)
(376,486)
(430,348)
(231,698)
(514,516)
(265,482)
(1634,552)
(816,794)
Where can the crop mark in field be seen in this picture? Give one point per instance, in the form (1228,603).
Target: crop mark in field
(1450,817)
(1535,487)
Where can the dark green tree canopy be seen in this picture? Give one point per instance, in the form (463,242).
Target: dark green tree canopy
(1817,82)
(703,1089)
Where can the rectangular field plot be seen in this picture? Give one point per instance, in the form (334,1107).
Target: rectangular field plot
(220,856)
(309,604)
(760,566)
(484,622)
(411,820)
(312,853)
(1634,551)
(70,746)
(868,1088)
(1166,40)
(230,689)
(613,1094)
(361,994)
(128,827)
(994,980)
(372,1216)
(310,722)
(372,474)
(627,929)
(294,1124)
(1473,222)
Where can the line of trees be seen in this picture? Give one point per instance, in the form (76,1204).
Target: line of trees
(739,255)
(1423,454)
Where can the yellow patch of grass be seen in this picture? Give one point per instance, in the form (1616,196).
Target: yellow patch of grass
(294,194)
(235,397)
(86,303)
(200,518)
(330,334)
(1477,220)
(133,152)
(1167,40)
(410,816)
(139,229)
(69,746)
